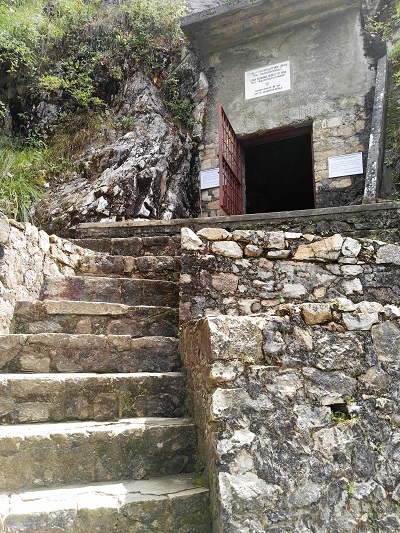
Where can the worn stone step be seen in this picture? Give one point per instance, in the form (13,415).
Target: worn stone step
(44,455)
(170,504)
(28,398)
(133,246)
(111,290)
(62,352)
(143,267)
(99,318)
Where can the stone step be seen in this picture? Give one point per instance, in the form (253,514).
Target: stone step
(62,352)
(44,455)
(171,504)
(99,318)
(131,246)
(28,398)
(143,267)
(111,290)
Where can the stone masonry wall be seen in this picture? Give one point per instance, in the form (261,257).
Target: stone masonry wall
(299,417)
(26,256)
(247,271)
(210,198)
(345,132)
(297,399)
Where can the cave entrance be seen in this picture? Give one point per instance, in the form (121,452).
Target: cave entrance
(278,172)
(272,172)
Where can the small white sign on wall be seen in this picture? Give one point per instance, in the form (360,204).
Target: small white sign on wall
(267,80)
(345,165)
(209,178)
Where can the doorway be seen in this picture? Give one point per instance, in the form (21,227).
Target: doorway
(279,172)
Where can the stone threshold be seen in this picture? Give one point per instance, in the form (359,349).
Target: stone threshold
(352,214)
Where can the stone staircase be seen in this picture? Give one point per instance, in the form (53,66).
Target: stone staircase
(93,437)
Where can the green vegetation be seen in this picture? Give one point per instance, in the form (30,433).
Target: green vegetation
(21,176)
(74,54)
(181,109)
(340,412)
(339,417)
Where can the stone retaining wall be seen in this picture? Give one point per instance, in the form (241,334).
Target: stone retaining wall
(250,271)
(26,256)
(297,400)
(298,412)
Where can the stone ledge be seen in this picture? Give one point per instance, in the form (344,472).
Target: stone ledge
(355,219)
(173,502)
(288,245)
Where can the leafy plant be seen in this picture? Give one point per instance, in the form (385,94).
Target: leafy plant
(74,48)
(339,417)
(22,176)
(181,109)
(125,124)
(20,23)
(386,21)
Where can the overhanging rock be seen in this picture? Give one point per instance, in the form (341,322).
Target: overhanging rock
(238,21)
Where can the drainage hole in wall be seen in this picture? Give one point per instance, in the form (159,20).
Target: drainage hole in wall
(340,412)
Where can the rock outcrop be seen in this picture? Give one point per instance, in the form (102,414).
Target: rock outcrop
(151,171)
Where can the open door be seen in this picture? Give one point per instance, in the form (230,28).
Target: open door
(230,167)
(279,170)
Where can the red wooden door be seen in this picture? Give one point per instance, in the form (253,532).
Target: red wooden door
(230,167)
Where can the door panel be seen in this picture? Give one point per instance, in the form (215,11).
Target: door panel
(230,167)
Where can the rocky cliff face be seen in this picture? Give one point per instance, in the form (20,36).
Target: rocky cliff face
(101,104)
(149,171)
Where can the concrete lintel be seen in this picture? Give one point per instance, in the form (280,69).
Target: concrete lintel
(238,21)
(376,150)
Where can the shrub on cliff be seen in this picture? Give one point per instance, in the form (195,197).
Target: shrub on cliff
(61,62)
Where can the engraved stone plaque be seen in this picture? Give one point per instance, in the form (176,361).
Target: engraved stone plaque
(267,80)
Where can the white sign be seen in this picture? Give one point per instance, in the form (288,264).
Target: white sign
(209,178)
(345,165)
(267,80)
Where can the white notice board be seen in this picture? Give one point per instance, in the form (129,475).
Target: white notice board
(267,80)
(209,178)
(345,165)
